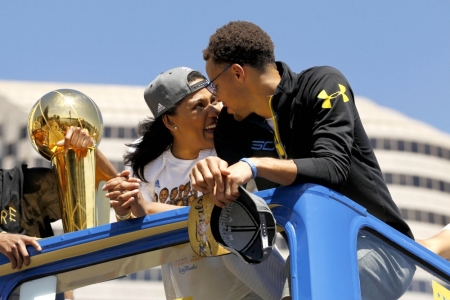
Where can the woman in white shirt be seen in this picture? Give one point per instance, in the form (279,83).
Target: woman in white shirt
(181,133)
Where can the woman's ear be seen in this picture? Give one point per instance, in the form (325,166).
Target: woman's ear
(168,122)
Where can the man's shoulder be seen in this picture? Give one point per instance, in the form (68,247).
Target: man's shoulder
(315,71)
(320,71)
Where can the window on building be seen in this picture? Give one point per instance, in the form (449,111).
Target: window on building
(439,152)
(427,149)
(387,144)
(429,183)
(107,132)
(388,178)
(403,180)
(23,132)
(10,149)
(134,133)
(400,145)
(441,186)
(444,220)
(414,147)
(431,218)
(121,133)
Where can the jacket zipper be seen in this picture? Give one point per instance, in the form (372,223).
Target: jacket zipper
(276,138)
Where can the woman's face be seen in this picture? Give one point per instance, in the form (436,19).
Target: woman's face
(195,121)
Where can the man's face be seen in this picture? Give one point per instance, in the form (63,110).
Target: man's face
(229,89)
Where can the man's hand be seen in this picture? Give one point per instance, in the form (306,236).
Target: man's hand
(207,175)
(14,246)
(240,173)
(77,139)
(211,175)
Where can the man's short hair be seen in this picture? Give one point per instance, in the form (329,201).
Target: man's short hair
(243,43)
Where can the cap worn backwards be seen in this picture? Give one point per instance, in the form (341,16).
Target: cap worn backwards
(168,88)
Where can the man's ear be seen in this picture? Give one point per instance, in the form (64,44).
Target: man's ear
(238,72)
(168,122)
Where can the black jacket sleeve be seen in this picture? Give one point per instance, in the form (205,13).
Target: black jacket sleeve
(331,111)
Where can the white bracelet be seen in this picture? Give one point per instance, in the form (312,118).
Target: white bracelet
(125,217)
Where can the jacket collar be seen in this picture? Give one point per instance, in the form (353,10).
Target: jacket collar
(286,89)
(282,102)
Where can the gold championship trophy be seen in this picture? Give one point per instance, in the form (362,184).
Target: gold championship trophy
(48,122)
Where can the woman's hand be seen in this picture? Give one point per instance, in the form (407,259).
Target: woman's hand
(123,193)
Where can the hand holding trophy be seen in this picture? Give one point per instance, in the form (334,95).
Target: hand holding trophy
(50,119)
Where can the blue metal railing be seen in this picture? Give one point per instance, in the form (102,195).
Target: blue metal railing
(320,225)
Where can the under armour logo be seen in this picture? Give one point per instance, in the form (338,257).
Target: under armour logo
(160,107)
(327,98)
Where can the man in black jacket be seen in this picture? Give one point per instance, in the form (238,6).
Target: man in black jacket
(281,128)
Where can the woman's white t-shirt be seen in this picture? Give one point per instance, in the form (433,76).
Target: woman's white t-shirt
(195,277)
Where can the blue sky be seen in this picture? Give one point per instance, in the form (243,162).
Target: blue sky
(396,53)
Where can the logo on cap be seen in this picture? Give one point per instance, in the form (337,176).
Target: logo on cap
(160,107)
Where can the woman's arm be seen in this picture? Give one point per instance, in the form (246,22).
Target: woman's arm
(125,197)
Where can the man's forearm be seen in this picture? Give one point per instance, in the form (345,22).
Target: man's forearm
(279,171)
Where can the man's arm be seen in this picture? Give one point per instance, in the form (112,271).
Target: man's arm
(14,246)
(104,169)
(439,243)
(279,171)
(212,175)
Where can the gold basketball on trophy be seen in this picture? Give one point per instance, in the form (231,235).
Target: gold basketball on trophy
(55,112)
(50,118)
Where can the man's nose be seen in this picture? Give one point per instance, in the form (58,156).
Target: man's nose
(215,109)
